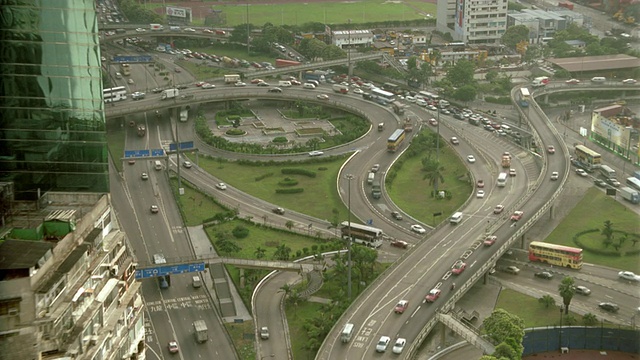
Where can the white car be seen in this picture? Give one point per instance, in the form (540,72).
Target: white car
(419,229)
(358,91)
(629,81)
(187,164)
(480,194)
(221,186)
(322,96)
(582,290)
(399,346)
(383,343)
(581,172)
(410,99)
(628,275)
(190,30)
(207,86)
(140,30)
(554,175)
(316,153)
(240,83)
(471,159)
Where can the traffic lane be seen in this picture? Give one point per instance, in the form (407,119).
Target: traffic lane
(267,305)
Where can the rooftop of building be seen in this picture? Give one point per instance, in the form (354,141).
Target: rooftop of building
(596,63)
(353,32)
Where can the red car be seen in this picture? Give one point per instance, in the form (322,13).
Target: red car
(433,295)
(433,122)
(200,83)
(551,149)
(480,184)
(490,240)
(458,268)
(400,244)
(573,82)
(401,306)
(256,81)
(517,215)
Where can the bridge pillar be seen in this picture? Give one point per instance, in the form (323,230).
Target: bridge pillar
(242,279)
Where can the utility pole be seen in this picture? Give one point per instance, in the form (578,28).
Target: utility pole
(350,240)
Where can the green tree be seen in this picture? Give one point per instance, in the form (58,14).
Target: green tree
(567,289)
(547,301)
(505,351)
(289,224)
(461,73)
(226,246)
(260,253)
(239,33)
(514,35)
(412,63)
(589,319)
(466,93)
(283,252)
(503,327)
(286,289)
(433,172)
(607,232)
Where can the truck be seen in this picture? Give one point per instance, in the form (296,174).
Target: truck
(200,331)
(142,130)
(229,62)
(169,94)
(231,79)
(184,115)
(380,126)
(342,89)
(376,190)
(408,124)
(314,75)
(398,107)
(281,63)
(506,161)
(540,81)
(156,27)
(630,195)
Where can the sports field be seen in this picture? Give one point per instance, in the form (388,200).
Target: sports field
(298,13)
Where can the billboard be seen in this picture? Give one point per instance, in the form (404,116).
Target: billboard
(177,12)
(460,12)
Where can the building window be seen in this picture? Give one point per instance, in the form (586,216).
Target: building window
(10,307)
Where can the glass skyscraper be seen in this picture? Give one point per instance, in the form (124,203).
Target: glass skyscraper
(52,124)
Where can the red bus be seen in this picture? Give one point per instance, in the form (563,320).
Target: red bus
(554,254)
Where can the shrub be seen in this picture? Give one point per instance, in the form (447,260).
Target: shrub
(232,118)
(296,171)
(235,132)
(288,182)
(504,100)
(264,176)
(280,140)
(289,191)
(240,232)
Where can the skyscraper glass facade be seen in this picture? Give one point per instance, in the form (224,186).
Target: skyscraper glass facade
(52,124)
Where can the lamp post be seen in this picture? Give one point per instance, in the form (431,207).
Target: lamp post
(349,50)
(349,177)
(560,332)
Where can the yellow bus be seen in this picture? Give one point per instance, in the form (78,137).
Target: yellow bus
(554,254)
(395,140)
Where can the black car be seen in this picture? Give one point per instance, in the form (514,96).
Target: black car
(396,215)
(279,211)
(182,87)
(275,90)
(544,275)
(610,307)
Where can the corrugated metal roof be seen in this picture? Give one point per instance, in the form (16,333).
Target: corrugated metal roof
(595,63)
(62,215)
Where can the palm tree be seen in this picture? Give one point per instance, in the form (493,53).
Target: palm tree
(433,172)
(289,224)
(567,289)
(286,289)
(547,301)
(607,232)
(589,319)
(260,253)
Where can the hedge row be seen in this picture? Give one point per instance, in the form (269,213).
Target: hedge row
(263,176)
(288,182)
(297,171)
(610,251)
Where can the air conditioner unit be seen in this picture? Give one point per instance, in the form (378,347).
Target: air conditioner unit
(114,270)
(13,312)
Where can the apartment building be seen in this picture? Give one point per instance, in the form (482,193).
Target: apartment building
(473,22)
(67,284)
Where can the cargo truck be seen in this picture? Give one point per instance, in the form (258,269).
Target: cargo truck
(630,195)
(280,63)
(342,89)
(156,27)
(314,75)
(376,190)
(231,79)
(169,94)
(540,81)
(200,331)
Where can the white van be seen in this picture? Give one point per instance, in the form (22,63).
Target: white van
(196,282)
(598,79)
(308,86)
(158,165)
(506,128)
(370,178)
(421,102)
(284,83)
(314,82)
(347,332)
(455,218)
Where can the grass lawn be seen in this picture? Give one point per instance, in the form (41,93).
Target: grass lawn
(319,198)
(583,217)
(243,338)
(195,206)
(323,12)
(530,310)
(418,201)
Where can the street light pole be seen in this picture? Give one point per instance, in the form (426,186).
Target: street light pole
(349,177)
(349,50)
(560,332)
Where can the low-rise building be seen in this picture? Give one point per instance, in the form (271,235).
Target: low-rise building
(67,283)
(346,38)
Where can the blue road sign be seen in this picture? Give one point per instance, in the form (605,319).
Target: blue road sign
(157,152)
(133,59)
(183,146)
(136,153)
(168,270)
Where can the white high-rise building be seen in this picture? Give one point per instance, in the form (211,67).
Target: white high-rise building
(473,21)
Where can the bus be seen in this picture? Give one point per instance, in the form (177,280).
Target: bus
(394,141)
(554,254)
(125,69)
(502,179)
(587,158)
(362,234)
(607,172)
(634,183)
(524,96)
(392,88)
(114,94)
(383,94)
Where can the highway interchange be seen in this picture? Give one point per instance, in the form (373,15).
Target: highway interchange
(422,268)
